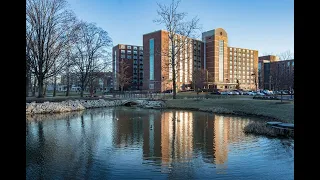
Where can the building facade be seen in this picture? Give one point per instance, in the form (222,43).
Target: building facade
(131,56)
(227,66)
(158,72)
(275,74)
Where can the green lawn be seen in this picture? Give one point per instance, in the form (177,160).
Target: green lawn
(269,108)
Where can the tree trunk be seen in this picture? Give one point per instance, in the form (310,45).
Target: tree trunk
(40,87)
(68,83)
(54,86)
(174,92)
(45,90)
(81,91)
(34,87)
(27,83)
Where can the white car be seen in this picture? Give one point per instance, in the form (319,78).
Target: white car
(235,92)
(230,93)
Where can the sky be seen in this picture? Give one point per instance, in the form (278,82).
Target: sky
(263,25)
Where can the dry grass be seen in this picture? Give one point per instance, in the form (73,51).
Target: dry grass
(242,106)
(260,128)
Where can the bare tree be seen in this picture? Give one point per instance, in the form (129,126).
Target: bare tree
(255,78)
(48,28)
(89,52)
(287,55)
(179,33)
(238,84)
(123,78)
(199,79)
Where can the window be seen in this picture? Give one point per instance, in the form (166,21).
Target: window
(221,43)
(151,45)
(135,48)
(128,47)
(123,56)
(123,51)
(135,52)
(151,86)
(122,46)
(128,56)
(128,51)
(141,53)
(140,48)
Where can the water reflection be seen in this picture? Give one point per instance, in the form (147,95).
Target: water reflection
(122,142)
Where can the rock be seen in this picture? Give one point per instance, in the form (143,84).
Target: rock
(76,105)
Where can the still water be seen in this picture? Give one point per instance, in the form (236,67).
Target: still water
(129,143)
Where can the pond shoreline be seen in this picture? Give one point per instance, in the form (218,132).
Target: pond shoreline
(47,107)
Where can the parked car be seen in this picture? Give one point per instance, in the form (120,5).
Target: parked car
(215,92)
(229,92)
(224,93)
(239,91)
(167,91)
(235,92)
(245,93)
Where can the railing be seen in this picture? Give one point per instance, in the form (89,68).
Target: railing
(138,95)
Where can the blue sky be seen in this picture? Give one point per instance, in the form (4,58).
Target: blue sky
(263,25)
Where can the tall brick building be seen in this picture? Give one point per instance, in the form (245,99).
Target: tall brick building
(228,66)
(157,68)
(225,66)
(132,56)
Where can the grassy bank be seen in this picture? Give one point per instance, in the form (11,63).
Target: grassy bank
(283,112)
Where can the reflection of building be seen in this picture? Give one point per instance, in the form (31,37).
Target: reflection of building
(176,136)
(173,136)
(221,136)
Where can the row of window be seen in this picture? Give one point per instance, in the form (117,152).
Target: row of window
(242,81)
(129,57)
(239,56)
(240,50)
(129,52)
(129,47)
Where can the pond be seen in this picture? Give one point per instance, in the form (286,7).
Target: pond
(134,143)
